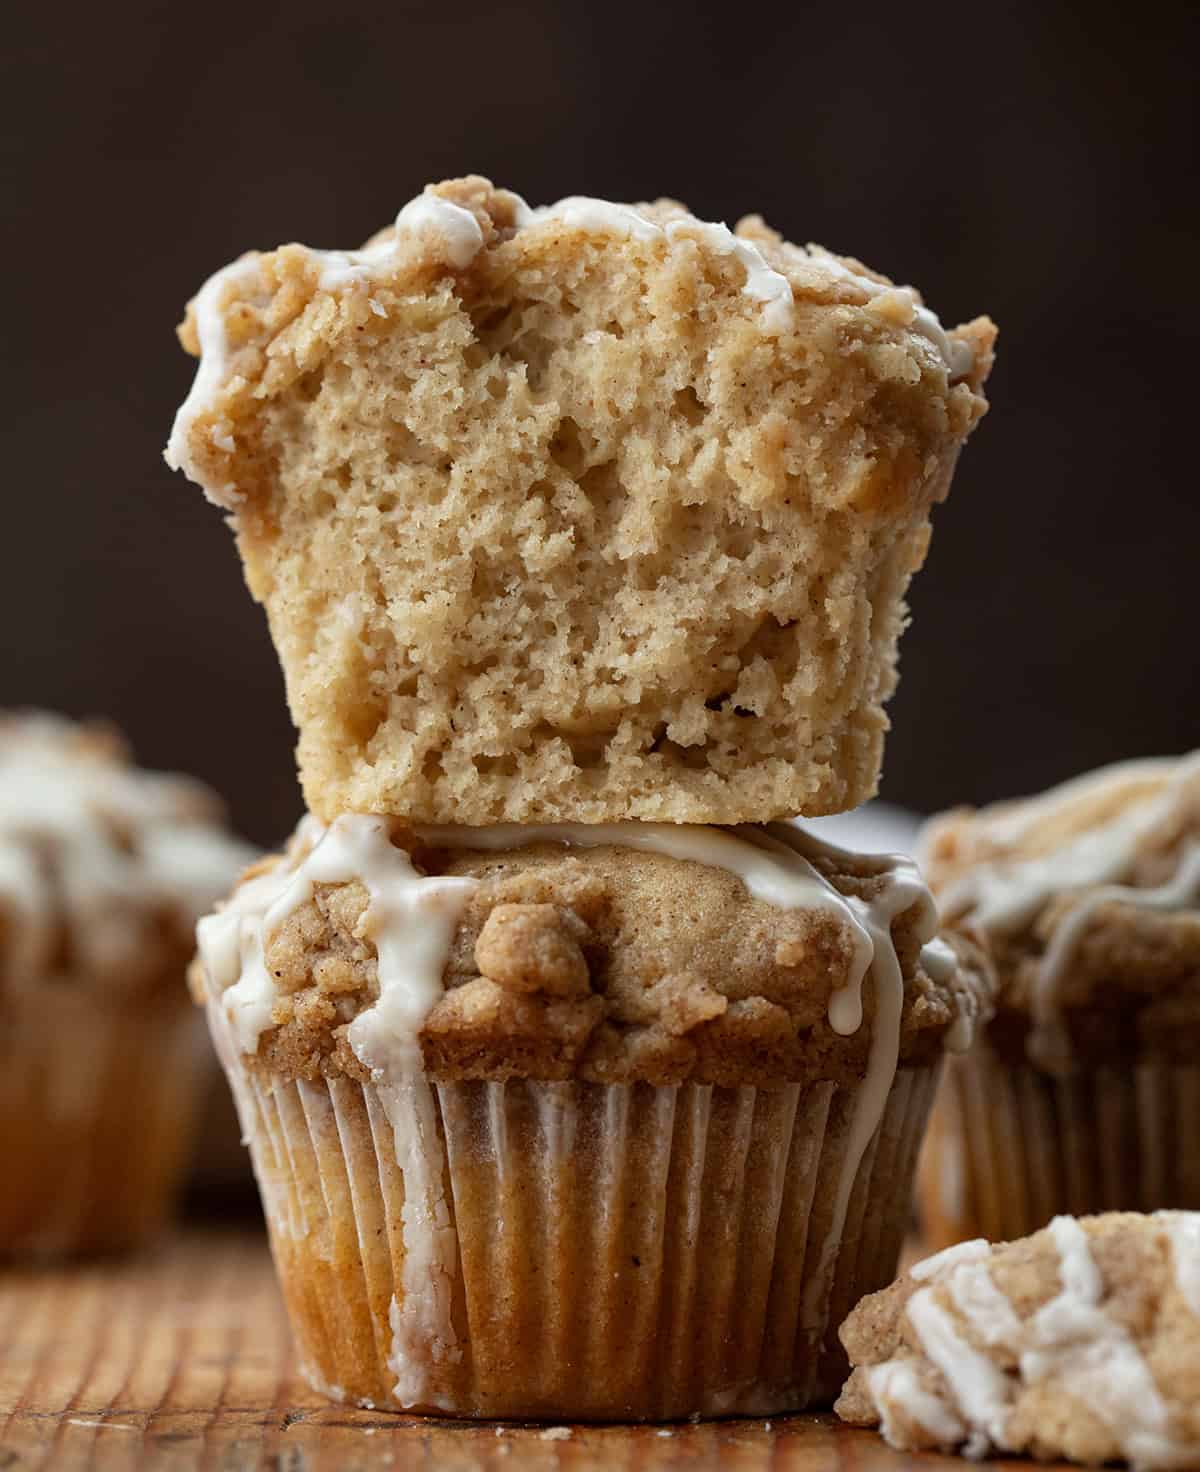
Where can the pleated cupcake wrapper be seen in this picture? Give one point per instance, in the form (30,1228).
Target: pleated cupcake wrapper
(96,1112)
(576,1250)
(1010,1146)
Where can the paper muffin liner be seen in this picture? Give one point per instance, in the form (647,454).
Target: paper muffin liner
(575,1250)
(96,1111)
(1011,1146)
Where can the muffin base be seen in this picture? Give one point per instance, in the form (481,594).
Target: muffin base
(96,1112)
(601,1252)
(1011,1146)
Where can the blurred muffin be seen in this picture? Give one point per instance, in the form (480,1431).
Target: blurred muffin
(600,1122)
(1084,1092)
(1082,1341)
(588,513)
(104,870)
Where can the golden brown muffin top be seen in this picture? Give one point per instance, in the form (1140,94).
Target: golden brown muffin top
(104,868)
(1088,897)
(593,513)
(1082,1341)
(629,952)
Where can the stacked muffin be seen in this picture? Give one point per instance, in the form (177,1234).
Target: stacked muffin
(1082,1095)
(104,870)
(580,531)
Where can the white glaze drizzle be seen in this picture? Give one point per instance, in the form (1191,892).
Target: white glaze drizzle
(974,1294)
(938,959)
(1183,889)
(948,1257)
(422,1323)
(959,357)
(213,370)
(100,847)
(410,917)
(602,217)
(593,216)
(771,863)
(973,1002)
(1070,1342)
(1004,892)
(772,871)
(1017,821)
(451,228)
(763,283)
(979,1390)
(1094,1360)
(902,889)
(895,1385)
(1183,1233)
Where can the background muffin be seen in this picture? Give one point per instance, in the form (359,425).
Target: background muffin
(104,870)
(603,1122)
(1083,1094)
(586,513)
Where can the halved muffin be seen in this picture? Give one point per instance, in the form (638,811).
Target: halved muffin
(593,512)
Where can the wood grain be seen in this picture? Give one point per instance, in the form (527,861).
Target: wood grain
(181,1361)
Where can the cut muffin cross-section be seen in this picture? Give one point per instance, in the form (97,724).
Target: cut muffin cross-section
(588,513)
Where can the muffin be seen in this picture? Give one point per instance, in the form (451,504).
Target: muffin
(1082,1341)
(586,513)
(1083,1094)
(104,870)
(587,1121)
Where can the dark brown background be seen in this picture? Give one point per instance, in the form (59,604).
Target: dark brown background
(1028,160)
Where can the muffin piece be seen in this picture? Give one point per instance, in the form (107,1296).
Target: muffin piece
(1082,1341)
(593,512)
(1082,1094)
(104,870)
(601,1122)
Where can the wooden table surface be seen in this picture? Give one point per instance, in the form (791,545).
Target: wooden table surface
(180,1360)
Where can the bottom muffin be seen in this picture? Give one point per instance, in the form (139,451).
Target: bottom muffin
(602,1123)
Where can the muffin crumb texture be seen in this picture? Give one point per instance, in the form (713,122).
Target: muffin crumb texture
(589,513)
(1080,1342)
